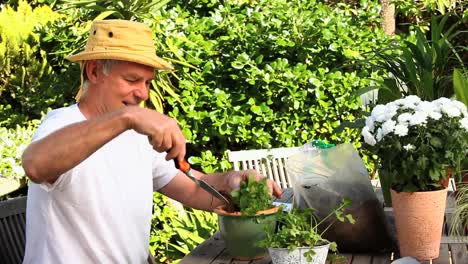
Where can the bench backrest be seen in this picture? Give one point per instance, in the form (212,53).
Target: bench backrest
(12,230)
(269,162)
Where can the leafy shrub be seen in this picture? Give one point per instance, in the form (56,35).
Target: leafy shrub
(13,142)
(24,68)
(173,235)
(266,73)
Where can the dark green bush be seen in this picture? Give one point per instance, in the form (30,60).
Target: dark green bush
(266,74)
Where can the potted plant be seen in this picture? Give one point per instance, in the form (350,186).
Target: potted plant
(297,237)
(418,143)
(459,219)
(243,224)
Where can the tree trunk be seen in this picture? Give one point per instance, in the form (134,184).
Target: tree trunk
(388,15)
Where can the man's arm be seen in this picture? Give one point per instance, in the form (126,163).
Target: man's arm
(48,158)
(184,190)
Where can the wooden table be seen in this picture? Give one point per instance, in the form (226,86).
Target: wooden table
(452,250)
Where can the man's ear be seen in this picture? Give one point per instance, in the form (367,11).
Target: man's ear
(92,70)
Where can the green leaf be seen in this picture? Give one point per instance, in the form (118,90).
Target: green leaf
(460,85)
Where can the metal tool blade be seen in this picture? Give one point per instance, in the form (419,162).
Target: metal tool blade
(204,185)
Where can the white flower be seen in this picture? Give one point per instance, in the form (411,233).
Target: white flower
(390,111)
(435,115)
(378,113)
(409,147)
(379,135)
(450,110)
(464,123)
(388,127)
(401,130)
(461,106)
(368,138)
(370,123)
(404,118)
(399,102)
(442,101)
(427,107)
(410,102)
(418,118)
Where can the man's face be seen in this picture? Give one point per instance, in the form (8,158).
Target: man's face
(126,84)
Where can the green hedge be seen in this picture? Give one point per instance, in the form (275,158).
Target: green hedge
(265,74)
(33,73)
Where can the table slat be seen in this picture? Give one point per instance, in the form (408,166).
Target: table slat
(459,253)
(444,257)
(382,259)
(361,259)
(205,252)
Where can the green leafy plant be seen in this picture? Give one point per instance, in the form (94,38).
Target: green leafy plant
(119,9)
(418,141)
(423,68)
(24,69)
(300,228)
(460,85)
(265,74)
(459,219)
(13,141)
(175,234)
(252,196)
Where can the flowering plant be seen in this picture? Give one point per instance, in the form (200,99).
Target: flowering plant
(417,141)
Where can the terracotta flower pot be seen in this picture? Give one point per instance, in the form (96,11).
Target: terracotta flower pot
(419,217)
(241,233)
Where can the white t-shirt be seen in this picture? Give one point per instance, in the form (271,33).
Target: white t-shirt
(99,211)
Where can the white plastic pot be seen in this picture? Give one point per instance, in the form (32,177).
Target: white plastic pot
(284,256)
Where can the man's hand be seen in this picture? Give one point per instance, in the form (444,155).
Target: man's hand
(163,132)
(234,178)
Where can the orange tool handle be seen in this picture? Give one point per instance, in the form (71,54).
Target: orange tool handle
(182,165)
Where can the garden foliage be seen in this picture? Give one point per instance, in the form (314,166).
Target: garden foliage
(173,235)
(266,73)
(13,142)
(249,74)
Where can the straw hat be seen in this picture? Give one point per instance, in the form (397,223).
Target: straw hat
(120,40)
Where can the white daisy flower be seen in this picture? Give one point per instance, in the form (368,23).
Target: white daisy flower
(404,118)
(368,137)
(378,113)
(370,123)
(388,127)
(435,115)
(464,123)
(442,101)
(418,118)
(427,107)
(410,102)
(401,130)
(379,135)
(450,110)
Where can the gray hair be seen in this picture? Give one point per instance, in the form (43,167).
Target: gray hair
(106,68)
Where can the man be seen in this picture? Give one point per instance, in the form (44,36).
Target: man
(94,165)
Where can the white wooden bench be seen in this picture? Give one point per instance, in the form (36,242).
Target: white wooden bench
(269,162)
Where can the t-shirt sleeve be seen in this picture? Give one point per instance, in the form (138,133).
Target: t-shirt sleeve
(53,121)
(163,171)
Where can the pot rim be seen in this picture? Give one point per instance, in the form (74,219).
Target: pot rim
(441,190)
(221,210)
(306,247)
